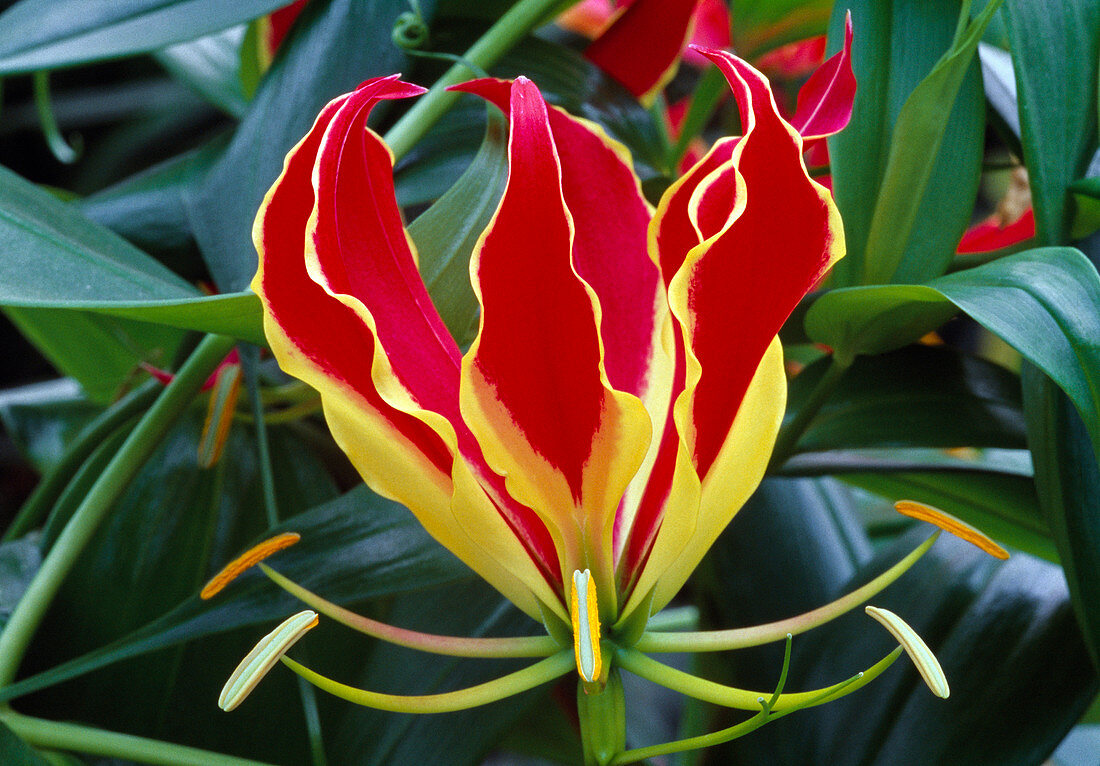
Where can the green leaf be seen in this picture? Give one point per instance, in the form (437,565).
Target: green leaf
(102,353)
(16,752)
(211,66)
(1069,483)
(1042,302)
(1003,632)
(895,47)
(356,547)
(762,25)
(147,209)
(919,132)
(47,34)
(1057,114)
(1002,505)
(42,418)
(54,258)
(333,47)
(920,396)
(367,736)
(445,233)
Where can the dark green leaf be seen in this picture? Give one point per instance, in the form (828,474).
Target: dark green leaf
(1042,302)
(919,132)
(896,45)
(43,417)
(1068,478)
(47,34)
(354,548)
(445,234)
(368,736)
(211,65)
(919,396)
(1002,632)
(16,752)
(333,47)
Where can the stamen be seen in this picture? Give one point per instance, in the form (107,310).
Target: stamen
(585,616)
(261,659)
(246,560)
(219,415)
(949,523)
(918,651)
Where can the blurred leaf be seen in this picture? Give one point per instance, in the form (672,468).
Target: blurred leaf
(762,25)
(47,34)
(211,66)
(438,160)
(364,736)
(980,617)
(895,46)
(332,47)
(1069,485)
(445,233)
(43,417)
(919,132)
(999,80)
(19,562)
(919,396)
(356,547)
(16,752)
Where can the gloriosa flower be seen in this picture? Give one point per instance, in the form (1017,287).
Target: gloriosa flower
(619,403)
(622,396)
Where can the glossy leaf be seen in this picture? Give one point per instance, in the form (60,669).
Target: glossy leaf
(54,258)
(47,34)
(895,46)
(1042,302)
(980,618)
(445,233)
(920,396)
(919,132)
(332,48)
(353,548)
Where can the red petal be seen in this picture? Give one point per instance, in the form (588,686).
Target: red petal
(825,101)
(993,234)
(643,45)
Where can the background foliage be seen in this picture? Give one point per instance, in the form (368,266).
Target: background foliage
(138,139)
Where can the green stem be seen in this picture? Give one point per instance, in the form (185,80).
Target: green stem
(791,432)
(250,360)
(708,94)
(740,638)
(512,27)
(87,739)
(452,646)
(463,699)
(741,699)
(141,443)
(91,436)
(602,718)
(61,150)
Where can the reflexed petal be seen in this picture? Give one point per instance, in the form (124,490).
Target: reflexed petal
(734,291)
(825,101)
(390,409)
(642,46)
(610,218)
(534,388)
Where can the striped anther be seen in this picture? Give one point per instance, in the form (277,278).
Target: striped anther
(247,560)
(927,664)
(949,523)
(585,616)
(261,659)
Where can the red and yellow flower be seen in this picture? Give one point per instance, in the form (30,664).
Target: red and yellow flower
(626,385)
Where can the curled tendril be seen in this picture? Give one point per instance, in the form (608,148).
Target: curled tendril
(410,32)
